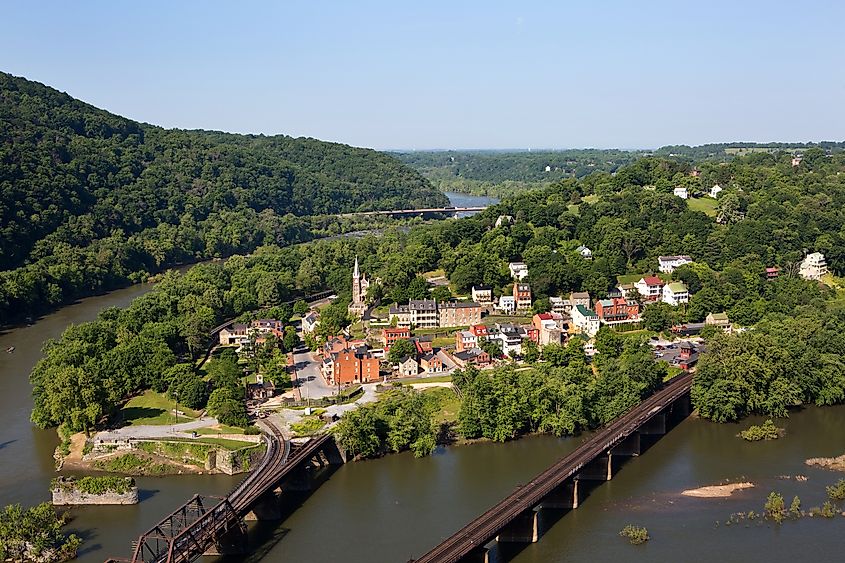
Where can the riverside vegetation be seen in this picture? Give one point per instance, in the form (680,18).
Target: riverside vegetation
(775,508)
(35,534)
(765,431)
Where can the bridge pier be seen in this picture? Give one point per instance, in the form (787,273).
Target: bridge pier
(599,469)
(565,496)
(233,541)
(267,507)
(524,528)
(477,555)
(655,426)
(630,446)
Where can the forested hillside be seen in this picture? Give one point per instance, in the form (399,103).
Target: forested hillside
(503,173)
(83,190)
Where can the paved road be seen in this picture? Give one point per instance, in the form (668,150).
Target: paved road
(311,382)
(155,431)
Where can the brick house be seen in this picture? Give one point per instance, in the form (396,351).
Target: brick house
(522,296)
(618,310)
(390,335)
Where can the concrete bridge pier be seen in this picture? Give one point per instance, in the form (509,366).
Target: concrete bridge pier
(599,469)
(478,555)
(300,479)
(565,496)
(233,541)
(524,528)
(655,426)
(630,446)
(267,507)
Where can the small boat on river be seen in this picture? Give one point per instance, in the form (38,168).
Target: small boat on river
(10,349)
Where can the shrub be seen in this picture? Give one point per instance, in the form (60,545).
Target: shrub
(765,431)
(836,492)
(775,507)
(252,430)
(636,534)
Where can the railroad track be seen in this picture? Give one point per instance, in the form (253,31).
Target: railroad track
(481,530)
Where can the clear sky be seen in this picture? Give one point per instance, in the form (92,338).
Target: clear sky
(451,74)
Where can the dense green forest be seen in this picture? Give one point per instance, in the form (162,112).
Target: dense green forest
(771,214)
(503,173)
(90,200)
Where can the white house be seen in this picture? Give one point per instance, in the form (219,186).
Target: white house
(650,288)
(408,366)
(585,252)
(482,294)
(813,267)
(681,192)
(509,337)
(519,271)
(560,305)
(310,322)
(667,264)
(675,293)
(504,220)
(714,191)
(585,320)
(507,304)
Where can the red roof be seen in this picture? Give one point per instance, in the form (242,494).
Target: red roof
(653,280)
(545,316)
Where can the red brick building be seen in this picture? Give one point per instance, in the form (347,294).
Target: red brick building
(354,366)
(390,335)
(618,310)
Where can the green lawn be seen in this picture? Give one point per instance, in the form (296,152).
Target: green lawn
(154,409)
(673,372)
(442,341)
(432,379)
(441,273)
(706,205)
(450,404)
(507,319)
(226,443)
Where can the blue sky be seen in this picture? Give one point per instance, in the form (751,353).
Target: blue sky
(459,74)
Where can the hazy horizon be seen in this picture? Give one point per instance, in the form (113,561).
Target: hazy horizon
(485,75)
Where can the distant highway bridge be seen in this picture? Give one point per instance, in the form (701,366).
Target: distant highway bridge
(208,525)
(515,518)
(424,211)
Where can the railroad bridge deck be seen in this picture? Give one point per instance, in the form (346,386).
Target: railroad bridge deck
(515,518)
(214,525)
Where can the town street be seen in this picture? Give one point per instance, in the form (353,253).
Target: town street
(311,382)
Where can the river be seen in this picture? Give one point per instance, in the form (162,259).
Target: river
(397,507)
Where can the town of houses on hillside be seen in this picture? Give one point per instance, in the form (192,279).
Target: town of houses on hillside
(487,328)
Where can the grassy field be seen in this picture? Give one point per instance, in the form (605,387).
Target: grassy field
(507,319)
(226,443)
(432,379)
(706,205)
(435,274)
(154,409)
(442,341)
(588,199)
(450,404)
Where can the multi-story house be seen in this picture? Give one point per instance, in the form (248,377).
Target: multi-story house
(353,365)
(667,264)
(458,313)
(310,322)
(465,340)
(719,320)
(560,305)
(650,288)
(237,333)
(390,335)
(482,294)
(507,304)
(585,320)
(550,328)
(518,270)
(579,298)
(675,293)
(617,310)
(509,337)
(522,296)
(813,267)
